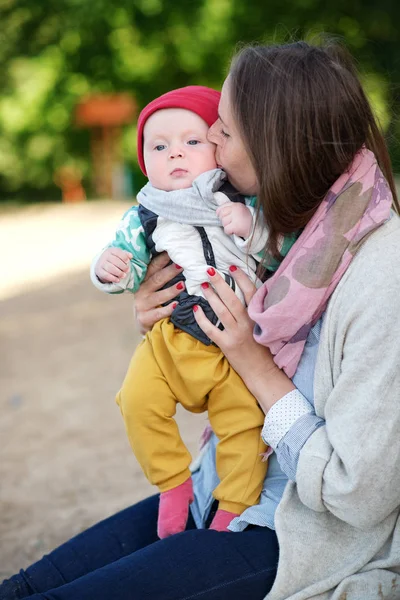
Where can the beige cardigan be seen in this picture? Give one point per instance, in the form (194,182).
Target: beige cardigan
(338,525)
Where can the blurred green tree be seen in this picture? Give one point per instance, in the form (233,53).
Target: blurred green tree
(52,54)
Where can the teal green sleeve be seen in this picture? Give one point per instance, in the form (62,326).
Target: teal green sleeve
(130,237)
(268,261)
(251,201)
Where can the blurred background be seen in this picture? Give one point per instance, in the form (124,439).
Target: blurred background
(54,55)
(73,76)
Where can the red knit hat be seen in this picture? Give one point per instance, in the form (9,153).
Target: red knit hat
(199,99)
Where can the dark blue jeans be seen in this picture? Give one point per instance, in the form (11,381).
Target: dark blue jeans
(122,558)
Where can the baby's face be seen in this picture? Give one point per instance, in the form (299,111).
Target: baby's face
(176,149)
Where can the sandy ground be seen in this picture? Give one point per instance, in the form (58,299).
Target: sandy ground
(65,462)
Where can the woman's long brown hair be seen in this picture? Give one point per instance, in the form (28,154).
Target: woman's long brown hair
(303,115)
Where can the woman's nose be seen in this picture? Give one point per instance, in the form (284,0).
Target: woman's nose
(211,134)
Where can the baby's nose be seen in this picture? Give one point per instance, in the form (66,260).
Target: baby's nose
(176,151)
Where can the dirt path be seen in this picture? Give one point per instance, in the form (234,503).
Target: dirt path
(64,459)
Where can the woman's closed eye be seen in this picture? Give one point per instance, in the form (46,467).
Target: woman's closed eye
(224,134)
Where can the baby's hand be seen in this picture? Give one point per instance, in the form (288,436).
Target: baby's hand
(113,265)
(236,219)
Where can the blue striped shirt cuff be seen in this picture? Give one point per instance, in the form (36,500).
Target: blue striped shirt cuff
(287,427)
(288,449)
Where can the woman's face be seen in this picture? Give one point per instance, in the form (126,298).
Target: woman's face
(231,154)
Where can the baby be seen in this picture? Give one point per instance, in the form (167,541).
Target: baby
(176,361)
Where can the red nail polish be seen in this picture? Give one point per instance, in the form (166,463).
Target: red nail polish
(178,267)
(180,286)
(205,285)
(195,307)
(175,304)
(232,268)
(211,271)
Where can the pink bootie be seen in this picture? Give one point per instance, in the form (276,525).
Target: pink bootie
(174,509)
(221,520)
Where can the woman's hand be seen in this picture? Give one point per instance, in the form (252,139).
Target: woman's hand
(150,297)
(253,362)
(236,340)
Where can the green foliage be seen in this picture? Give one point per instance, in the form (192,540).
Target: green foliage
(53,53)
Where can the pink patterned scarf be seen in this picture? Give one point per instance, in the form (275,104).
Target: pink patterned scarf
(293,299)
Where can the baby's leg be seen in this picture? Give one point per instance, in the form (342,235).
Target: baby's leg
(148,407)
(237,421)
(170,366)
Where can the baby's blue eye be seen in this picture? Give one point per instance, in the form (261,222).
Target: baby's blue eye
(193,142)
(160,147)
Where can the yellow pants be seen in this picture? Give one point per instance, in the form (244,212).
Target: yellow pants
(171,366)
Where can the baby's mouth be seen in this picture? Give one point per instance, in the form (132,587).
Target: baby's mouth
(178,172)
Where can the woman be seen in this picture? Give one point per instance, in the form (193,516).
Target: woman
(296,129)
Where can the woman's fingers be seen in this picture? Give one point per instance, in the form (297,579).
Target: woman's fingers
(147,318)
(163,296)
(246,285)
(146,302)
(160,275)
(219,307)
(156,264)
(209,329)
(150,296)
(226,294)
(229,309)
